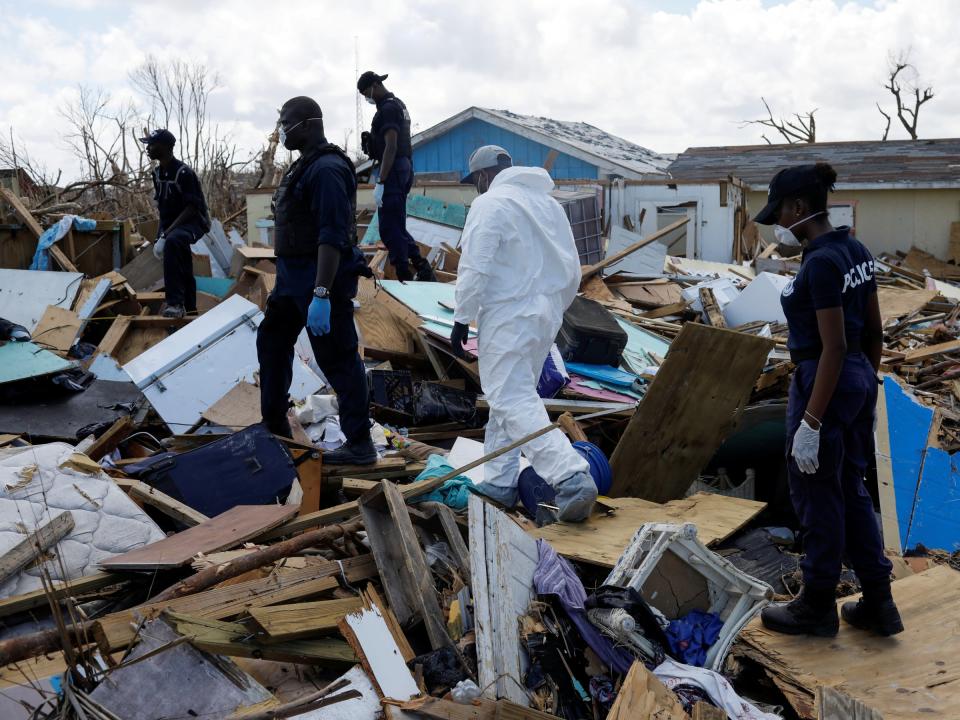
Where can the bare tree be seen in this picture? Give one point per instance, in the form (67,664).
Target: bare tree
(886,130)
(903,82)
(14,154)
(801,130)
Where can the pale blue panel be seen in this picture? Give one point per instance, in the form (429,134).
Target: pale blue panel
(425,208)
(22,360)
(423,297)
(640,343)
(909,426)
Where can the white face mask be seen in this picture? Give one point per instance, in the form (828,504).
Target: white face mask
(369,99)
(785,235)
(282,132)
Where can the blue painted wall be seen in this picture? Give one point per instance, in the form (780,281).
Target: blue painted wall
(450,151)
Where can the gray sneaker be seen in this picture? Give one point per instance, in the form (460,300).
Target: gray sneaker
(173,311)
(575,497)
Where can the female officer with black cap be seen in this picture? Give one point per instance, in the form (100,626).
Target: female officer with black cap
(835,341)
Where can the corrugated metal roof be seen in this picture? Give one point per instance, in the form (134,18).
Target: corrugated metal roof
(895,162)
(592,140)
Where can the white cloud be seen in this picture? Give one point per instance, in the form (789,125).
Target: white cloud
(664,78)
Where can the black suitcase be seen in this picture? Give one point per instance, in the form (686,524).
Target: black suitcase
(590,334)
(249,467)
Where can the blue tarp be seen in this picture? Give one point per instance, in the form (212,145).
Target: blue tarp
(41,258)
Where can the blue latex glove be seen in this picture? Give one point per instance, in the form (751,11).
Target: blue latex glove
(378,194)
(318,316)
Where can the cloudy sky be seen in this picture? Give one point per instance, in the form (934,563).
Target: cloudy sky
(666,75)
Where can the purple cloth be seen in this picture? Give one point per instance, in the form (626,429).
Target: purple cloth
(555,576)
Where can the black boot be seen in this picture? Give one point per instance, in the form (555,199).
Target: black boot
(403,272)
(799,617)
(424,271)
(879,616)
(361,452)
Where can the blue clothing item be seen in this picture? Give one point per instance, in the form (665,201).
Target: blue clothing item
(693,635)
(41,258)
(392,216)
(330,186)
(175,188)
(833,505)
(297,275)
(318,316)
(391,114)
(454,493)
(836,271)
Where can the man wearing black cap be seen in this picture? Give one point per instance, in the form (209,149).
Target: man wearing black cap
(183,221)
(388,143)
(318,263)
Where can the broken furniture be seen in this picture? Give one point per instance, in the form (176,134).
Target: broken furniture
(676,573)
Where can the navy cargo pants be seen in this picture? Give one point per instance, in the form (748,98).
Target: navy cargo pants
(392,217)
(179,285)
(833,505)
(336,354)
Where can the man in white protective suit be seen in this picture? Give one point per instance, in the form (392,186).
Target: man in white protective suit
(518,273)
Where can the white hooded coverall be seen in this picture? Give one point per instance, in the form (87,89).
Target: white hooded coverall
(518,272)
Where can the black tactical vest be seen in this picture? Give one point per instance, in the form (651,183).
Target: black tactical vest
(404,146)
(296,230)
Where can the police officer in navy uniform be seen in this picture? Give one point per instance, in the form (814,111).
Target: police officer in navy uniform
(835,341)
(318,263)
(183,220)
(388,143)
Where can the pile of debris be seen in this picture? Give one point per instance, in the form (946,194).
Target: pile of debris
(164,556)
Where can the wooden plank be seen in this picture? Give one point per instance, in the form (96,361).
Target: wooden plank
(34,545)
(370,599)
(383,323)
(711,307)
(227,530)
(357,486)
(642,695)
(382,465)
(290,622)
(116,630)
(923,353)
(691,406)
(705,711)
(72,588)
(897,302)
(912,675)
(403,567)
(236,410)
(889,519)
(590,270)
(502,562)
(602,539)
(832,704)
(367,633)
(310,473)
(57,329)
(181,512)
(107,443)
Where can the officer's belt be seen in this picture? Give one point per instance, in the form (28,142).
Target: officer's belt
(812,353)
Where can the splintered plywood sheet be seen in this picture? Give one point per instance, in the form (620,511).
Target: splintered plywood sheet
(224,531)
(384,323)
(602,539)
(238,409)
(897,302)
(691,406)
(57,329)
(915,674)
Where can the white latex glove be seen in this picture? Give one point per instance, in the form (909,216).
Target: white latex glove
(378,194)
(158,247)
(806,448)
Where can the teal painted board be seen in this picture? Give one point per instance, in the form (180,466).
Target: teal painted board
(425,208)
(22,360)
(218,287)
(640,343)
(424,298)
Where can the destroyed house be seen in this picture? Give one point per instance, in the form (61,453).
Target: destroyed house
(895,194)
(570,150)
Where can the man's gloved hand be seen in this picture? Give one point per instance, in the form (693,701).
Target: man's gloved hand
(806,448)
(18,333)
(158,246)
(458,337)
(318,316)
(378,194)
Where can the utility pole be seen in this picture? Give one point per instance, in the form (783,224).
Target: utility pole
(356,74)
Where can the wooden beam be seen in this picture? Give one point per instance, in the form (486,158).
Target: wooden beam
(591,270)
(26,217)
(72,588)
(298,620)
(170,507)
(310,472)
(34,545)
(107,443)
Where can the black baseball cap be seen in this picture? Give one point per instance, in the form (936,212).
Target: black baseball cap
(159,137)
(368,79)
(789,182)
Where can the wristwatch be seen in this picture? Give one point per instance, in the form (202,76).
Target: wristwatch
(321,292)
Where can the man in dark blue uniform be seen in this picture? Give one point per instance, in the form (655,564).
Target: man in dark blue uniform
(388,143)
(835,341)
(183,221)
(318,263)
